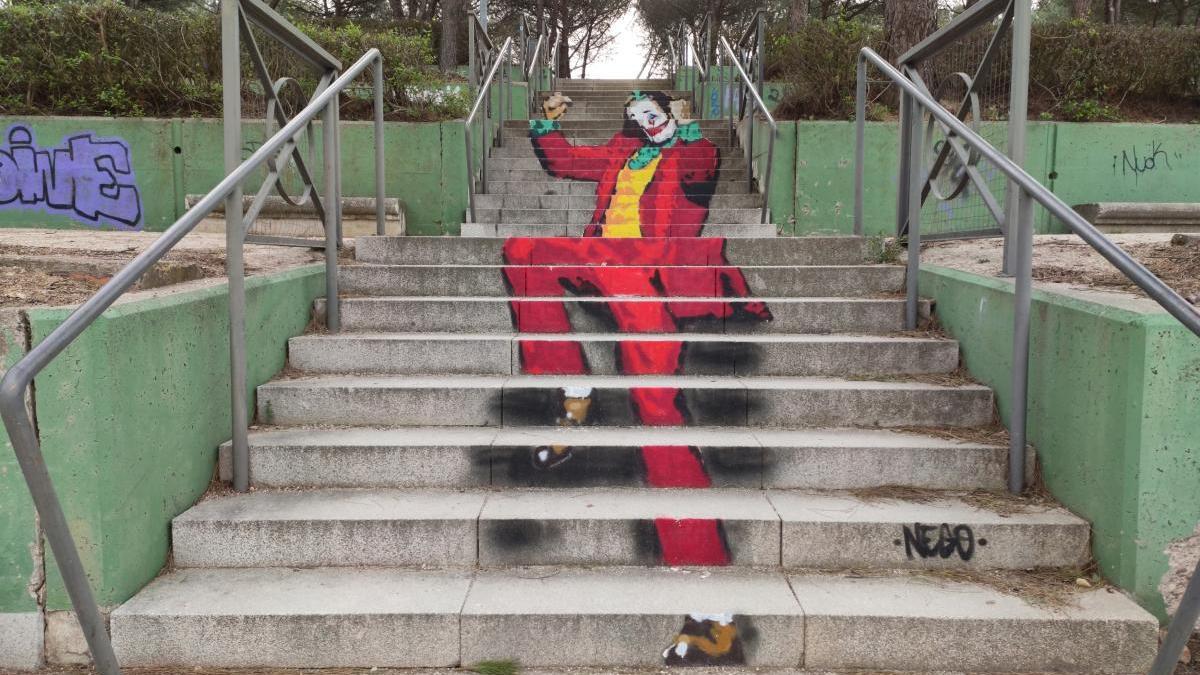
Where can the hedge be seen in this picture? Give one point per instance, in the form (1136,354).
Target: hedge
(1078,71)
(105,58)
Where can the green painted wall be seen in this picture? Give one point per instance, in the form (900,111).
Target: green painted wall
(18,532)
(812,185)
(1113,391)
(130,417)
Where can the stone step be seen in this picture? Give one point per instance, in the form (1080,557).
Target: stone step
(467,250)
(534,400)
(559,186)
(460,314)
(522,149)
(588,202)
(584,216)
(614,93)
(491,280)
(611,125)
(703,354)
(576,230)
(529,162)
(499,172)
(720,136)
(623,617)
(455,528)
(456,457)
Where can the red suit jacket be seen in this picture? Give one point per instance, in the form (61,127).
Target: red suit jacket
(675,203)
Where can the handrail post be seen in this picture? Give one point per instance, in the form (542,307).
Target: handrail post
(329,132)
(235,269)
(53,521)
(1018,111)
(470,173)
(905,149)
(860,143)
(380,214)
(1022,300)
(766,188)
(911,118)
(1180,628)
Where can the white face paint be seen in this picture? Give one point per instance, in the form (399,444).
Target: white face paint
(659,126)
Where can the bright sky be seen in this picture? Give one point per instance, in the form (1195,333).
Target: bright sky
(626,54)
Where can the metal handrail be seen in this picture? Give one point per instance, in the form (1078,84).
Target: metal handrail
(17,380)
(917,98)
(765,183)
(484,95)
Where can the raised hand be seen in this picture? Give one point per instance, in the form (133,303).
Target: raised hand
(555,106)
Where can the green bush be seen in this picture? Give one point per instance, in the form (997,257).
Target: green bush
(818,64)
(1078,71)
(1088,72)
(104,58)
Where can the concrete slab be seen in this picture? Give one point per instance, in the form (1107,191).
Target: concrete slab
(618,527)
(563,617)
(908,623)
(329,528)
(313,618)
(950,532)
(21,640)
(843,459)
(357,457)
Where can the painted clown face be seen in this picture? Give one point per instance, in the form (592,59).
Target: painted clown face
(657,124)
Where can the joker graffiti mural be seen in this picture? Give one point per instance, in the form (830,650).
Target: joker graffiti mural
(654,181)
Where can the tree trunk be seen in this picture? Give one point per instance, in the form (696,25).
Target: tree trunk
(452,16)
(798,16)
(905,23)
(564,52)
(1081,9)
(1112,11)
(398,10)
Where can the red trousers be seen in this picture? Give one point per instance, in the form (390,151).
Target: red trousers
(641,268)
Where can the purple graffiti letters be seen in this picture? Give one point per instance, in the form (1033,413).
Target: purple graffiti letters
(85,177)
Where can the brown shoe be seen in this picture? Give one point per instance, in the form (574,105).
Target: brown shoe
(575,412)
(706,640)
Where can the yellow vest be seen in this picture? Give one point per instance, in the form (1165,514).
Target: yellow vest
(622,218)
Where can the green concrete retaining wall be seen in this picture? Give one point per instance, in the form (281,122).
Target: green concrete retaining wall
(19,556)
(130,417)
(812,187)
(1113,393)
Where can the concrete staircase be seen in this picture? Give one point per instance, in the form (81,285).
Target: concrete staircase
(399,516)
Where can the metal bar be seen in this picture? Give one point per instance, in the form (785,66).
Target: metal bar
(912,119)
(1175,305)
(860,144)
(470,174)
(50,514)
(286,241)
(336,204)
(974,17)
(1018,111)
(481,31)
(471,57)
(747,85)
(380,187)
(1023,274)
(1180,628)
(485,144)
(274,24)
(235,269)
(329,132)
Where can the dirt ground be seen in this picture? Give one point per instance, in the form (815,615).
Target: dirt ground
(1064,258)
(62,267)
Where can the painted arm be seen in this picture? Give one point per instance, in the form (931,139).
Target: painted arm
(563,159)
